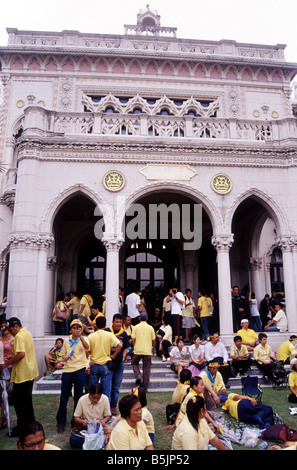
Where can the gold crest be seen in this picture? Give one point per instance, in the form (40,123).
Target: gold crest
(113,180)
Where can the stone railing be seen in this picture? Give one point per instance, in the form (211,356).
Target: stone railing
(159,126)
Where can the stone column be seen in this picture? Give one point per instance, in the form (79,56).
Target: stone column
(27,288)
(222,244)
(255,268)
(112,245)
(286,244)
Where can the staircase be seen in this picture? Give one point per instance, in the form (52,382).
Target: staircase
(163,379)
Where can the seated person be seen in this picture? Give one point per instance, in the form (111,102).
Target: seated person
(213,378)
(178,357)
(32,437)
(54,358)
(182,385)
(131,432)
(247,410)
(263,357)
(92,406)
(293,382)
(193,433)
(286,349)
(279,322)
(249,336)
(215,351)
(196,352)
(241,358)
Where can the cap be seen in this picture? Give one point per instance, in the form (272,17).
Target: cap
(76,322)
(244,320)
(13,321)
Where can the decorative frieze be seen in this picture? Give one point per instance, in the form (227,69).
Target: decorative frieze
(30,240)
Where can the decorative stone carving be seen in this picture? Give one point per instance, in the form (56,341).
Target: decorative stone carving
(31,240)
(222,242)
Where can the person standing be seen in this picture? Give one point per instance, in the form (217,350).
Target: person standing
(238,307)
(204,305)
(85,306)
(133,303)
(117,370)
(177,305)
(100,344)
(254,312)
(75,362)
(144,343)
(188,322)
(24,371)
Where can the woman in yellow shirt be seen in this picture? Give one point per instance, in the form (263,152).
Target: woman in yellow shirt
(130,433)
(263,357)
(293,382)
(193,433)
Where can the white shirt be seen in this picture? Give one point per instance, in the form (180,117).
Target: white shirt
(212,351)
(178,355)
(131,301)
(176,307)
(254,308)
(196,352)
(281,321)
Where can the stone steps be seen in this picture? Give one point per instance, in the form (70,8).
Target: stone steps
(163,379)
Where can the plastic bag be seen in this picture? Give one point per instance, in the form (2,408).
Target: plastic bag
(94,437)
(249,437)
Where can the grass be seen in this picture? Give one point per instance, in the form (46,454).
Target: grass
(46,407)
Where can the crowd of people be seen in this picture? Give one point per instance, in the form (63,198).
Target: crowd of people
(181,332)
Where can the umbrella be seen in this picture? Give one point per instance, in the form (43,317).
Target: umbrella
(3,383)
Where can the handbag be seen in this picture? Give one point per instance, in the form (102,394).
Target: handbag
(61,311)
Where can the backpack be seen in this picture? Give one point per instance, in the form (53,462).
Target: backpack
(279,433)
(171,412)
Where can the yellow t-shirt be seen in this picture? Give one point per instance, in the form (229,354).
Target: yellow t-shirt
(188,310)
(78,359)
(262,353)
(87,303)
(235,352)
(85,409)
(218,382)
(185,437)
(204,303)
(285,350)
(248,336)
(123,437)
(143,334)
(180,392)
(100,343)
(148,419)
(50,447)
(231,405)
(26,369)
(293,380)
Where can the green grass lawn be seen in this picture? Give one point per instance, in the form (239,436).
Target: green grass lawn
(46,407)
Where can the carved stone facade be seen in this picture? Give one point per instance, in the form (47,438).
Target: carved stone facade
(176,121)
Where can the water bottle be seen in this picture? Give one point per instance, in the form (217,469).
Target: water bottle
(263,445)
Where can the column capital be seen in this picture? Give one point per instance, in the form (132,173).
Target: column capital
(31,240)
(112,243)
(222,242)
(256,263)
(286,242)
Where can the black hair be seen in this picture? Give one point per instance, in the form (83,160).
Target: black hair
(96,388)
(126,404)
(142,397)
(29,428)
(117,316)
(185,375)
(237,338)
(262,335)
(193,409)
(100,322)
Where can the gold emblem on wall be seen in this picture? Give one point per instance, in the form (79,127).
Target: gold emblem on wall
(114,180)
(221,183)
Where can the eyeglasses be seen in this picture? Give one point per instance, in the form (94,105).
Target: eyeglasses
(34,444)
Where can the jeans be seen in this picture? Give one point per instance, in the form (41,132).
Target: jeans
(272,328)
(116,382)
(78,380)
(101,373)
(255,321)
(205,326)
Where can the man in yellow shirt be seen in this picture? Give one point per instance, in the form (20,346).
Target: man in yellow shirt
(249,337)
(204,303)
(286,349)
(100,344)
(144,343)
(24,371)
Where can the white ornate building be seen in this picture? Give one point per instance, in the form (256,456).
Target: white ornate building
(93,123)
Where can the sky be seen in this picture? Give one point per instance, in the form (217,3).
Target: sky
(268,22)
